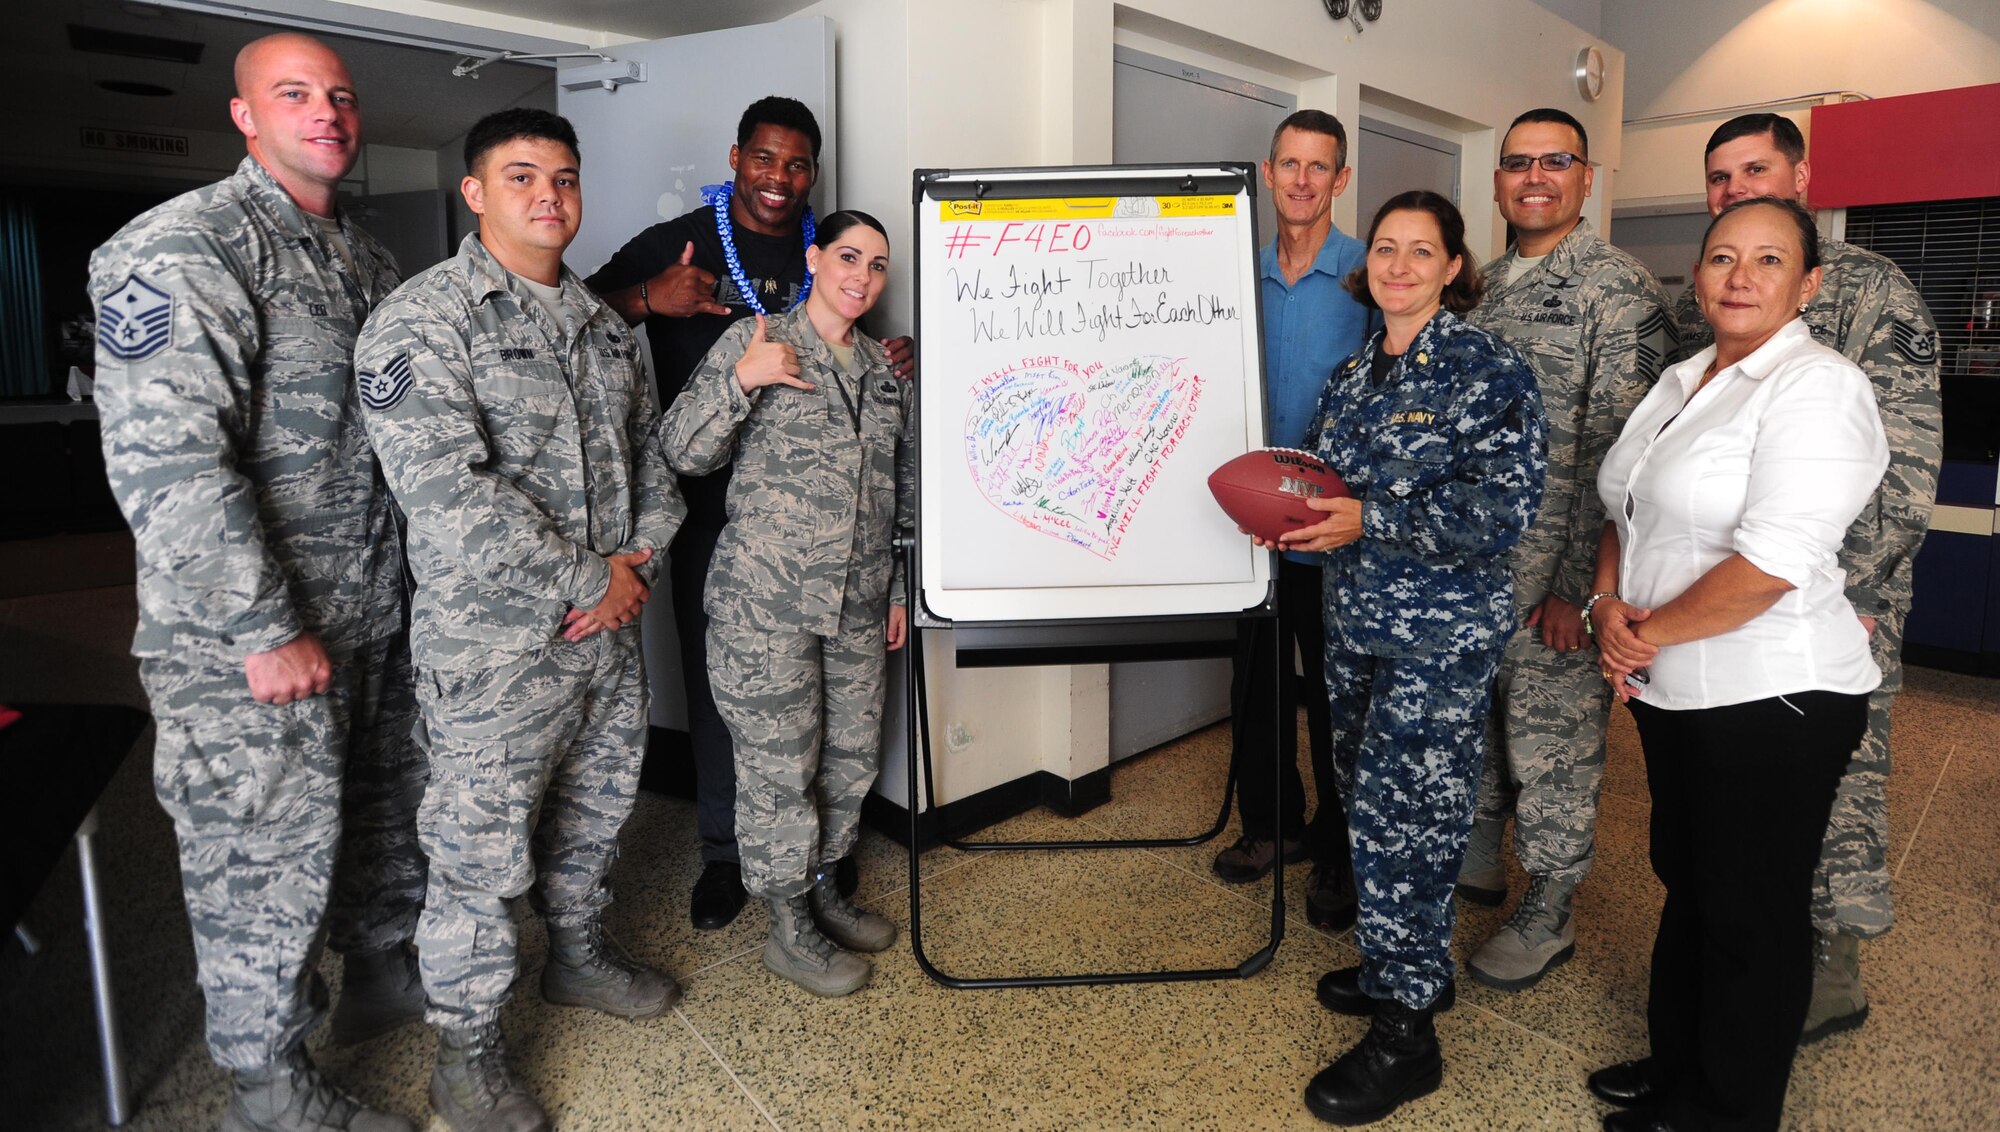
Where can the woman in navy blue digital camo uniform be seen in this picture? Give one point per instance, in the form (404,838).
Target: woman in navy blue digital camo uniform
(1436,427)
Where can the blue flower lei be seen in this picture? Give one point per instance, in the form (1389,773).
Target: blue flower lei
(718,196)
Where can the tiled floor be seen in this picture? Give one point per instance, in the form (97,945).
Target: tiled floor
(746,1051)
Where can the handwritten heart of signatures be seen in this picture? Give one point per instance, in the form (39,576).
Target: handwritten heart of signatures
(1070,449)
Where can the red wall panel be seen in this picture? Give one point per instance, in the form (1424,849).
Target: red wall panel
(1939,145)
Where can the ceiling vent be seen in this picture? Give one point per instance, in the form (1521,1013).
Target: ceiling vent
(101,41)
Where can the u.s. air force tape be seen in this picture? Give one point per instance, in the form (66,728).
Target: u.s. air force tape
(136,321)
(385,389)
(1915,342)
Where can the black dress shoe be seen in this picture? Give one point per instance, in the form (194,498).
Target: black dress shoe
(1330,899)
(1636,1120)
(846,875)
(1396,1061)
(1340,991)
(1627,1084)
(718,896)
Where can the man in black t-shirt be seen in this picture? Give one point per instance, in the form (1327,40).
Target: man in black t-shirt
(681,279)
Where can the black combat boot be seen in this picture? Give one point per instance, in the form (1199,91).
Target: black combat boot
(1397,1060)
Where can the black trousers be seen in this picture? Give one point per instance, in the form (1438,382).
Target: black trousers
(714,754)
(1740,801)
(1264,714)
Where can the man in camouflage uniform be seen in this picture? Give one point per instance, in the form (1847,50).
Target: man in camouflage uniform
(510,411)
(270,576)
(1593,323)
(1868,310)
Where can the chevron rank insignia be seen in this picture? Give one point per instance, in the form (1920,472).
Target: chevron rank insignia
(136,321)
(1915,343)
(385,390)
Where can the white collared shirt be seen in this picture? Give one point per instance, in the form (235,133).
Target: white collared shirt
(1772,460)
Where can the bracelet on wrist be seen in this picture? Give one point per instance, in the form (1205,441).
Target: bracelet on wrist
(644,297)
(1589,604)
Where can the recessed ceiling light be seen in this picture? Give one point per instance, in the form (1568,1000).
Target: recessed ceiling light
(122,86)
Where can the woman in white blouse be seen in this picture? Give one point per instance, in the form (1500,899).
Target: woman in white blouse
(1720,620)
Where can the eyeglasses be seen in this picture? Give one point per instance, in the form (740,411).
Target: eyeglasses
(1553,162)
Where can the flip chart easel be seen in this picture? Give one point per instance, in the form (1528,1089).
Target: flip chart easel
(1090,347)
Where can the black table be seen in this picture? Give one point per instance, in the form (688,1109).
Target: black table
(58,759)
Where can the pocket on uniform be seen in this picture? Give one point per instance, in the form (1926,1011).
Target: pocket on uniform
(1401,479)
(739,670)
(231,770)
(1424,445)
(475,819)
(514,381)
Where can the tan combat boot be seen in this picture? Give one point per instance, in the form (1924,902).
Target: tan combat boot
(473,1090)
(289,1095)
(1838,1002)
(586,967)
(797,951)
(1540,936)
(853,928)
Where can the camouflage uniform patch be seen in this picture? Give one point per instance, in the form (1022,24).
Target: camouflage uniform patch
(1448,456)
(805,714)
(234,446)
(378,880)
(1594,325)
(1869,311)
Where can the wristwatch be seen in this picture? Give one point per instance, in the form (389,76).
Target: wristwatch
(1591,604)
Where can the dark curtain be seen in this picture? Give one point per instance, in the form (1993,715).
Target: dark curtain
(24,362)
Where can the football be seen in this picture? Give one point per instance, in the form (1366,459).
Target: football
(1265,490)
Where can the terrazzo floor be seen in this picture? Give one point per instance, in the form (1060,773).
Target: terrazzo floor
(744,1050)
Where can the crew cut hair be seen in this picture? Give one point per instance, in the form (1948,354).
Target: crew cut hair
(1784,134)
(785,113)
(503,126)
(1554,117)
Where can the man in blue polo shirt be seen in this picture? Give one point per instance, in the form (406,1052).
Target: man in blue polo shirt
(1311,324)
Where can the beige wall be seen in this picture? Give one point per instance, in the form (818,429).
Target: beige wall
(1753,51)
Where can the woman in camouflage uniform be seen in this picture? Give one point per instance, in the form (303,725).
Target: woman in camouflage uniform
(799,592)
(1437,428)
